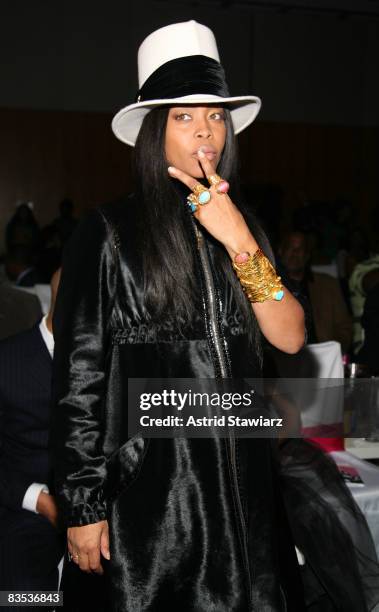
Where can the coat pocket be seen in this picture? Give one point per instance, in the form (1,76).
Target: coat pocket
(124,464)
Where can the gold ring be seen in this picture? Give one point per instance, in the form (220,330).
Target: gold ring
(201,193)
(214,179)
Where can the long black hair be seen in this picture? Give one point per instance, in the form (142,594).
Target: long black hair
(168,261)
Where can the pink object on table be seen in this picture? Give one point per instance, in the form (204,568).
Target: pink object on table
(328,437)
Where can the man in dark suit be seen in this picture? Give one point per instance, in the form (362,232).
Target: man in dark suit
(31,544)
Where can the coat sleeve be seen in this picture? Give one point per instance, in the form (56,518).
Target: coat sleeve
(82,340)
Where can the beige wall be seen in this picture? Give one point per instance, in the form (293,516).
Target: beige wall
(46,156)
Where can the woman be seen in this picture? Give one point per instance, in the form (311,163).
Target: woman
(172,284)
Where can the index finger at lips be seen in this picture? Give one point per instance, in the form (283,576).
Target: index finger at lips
(183,177)
(205,164)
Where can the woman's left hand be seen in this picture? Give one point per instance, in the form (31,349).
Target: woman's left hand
(220,217)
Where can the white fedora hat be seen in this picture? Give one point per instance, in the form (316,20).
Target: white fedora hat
(180,64)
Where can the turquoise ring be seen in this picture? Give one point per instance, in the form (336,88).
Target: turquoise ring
(192,206)
(204,197)
(201,194)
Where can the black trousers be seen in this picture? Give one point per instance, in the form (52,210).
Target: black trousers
(30,551)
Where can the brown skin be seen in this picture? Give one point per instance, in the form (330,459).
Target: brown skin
(192,127)
(89,542)
(46,504)
(54,284)
(189,129)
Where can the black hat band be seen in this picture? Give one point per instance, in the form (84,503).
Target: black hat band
(184,76)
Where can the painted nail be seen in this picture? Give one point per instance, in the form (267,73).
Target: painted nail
(201,153)
(242,257)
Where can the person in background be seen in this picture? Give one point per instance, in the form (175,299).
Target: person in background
(66,222)
(50,254)
(353,249)
(19,266)
(330,317)
(31,544)
(362,280)
(368,354)
(23,229)
(19,310)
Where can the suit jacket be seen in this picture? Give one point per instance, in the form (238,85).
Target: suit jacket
(25,379)
(331,317)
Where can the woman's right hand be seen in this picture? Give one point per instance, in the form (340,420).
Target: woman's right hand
(89,541)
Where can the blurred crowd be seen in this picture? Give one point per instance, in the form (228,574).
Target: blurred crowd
(326,256)
(323,255)
(32,255)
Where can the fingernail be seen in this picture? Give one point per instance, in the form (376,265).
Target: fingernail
(242,257)
(171,170)
(107,555)
(201,153)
